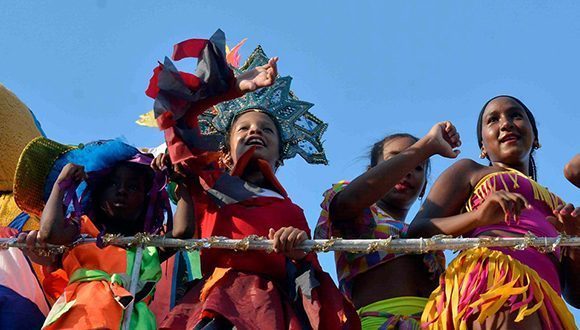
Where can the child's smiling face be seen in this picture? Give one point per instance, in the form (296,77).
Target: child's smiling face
(123,194)
(255,128)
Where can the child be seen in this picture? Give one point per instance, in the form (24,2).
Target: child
(375,205)
(120,195)
(238,194)
(499,287)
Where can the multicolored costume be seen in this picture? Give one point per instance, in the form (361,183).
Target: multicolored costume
(96,294)
(374,223)
(22,302)
(481,281)
(91,288)
(249,289)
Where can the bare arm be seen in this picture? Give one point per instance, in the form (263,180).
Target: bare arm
(370,186)
(571,275)
(184,220)
(566,219)
(440,213)
(572,171)
(54,228)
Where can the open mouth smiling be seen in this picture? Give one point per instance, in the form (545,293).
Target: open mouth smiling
(256,141)
(120,204)
(510,137)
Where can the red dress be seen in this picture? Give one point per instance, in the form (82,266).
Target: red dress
(256,289)
(251,289)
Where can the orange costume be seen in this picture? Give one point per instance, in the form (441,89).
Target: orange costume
(96,295)
(91,285)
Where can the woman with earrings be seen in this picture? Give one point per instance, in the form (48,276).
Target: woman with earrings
(500,288)
(375,205)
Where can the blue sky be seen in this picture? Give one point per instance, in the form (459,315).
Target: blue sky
(371,68)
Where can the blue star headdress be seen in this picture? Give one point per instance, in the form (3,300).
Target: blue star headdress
(300,131)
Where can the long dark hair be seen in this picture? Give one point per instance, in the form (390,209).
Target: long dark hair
(532,163)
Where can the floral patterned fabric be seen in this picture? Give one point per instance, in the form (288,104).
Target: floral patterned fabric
(373,224)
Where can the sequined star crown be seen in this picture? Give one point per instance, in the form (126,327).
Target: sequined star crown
(300,130)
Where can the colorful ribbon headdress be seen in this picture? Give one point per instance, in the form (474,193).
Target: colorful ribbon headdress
(42,161)
(178,96)
(300,130)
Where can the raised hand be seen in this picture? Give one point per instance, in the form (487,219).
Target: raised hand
(566,219)
(443,139)
(260,76)
(72,172)
(286,239)
(501,206)
(161,162)
(176,172)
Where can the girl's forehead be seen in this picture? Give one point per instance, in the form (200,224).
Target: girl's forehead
(502,103)
(128,172)
(397,144)
(254,116)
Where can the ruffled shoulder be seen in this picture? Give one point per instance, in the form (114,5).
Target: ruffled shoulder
(324,228)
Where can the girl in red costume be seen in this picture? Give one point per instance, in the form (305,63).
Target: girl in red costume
(233,150)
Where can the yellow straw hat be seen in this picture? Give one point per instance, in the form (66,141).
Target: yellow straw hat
(35,164)
(17,128)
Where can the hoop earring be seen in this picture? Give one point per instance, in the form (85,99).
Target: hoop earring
(483,154)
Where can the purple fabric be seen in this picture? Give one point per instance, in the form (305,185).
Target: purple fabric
(158,197)
(70,196)
(532,220)
(539,262)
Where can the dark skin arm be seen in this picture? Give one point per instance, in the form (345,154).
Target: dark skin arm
(370,186)
(54,228)
(184,218)
(570,270)
(572,171)
(566,219)
(441,213)
(51,262)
